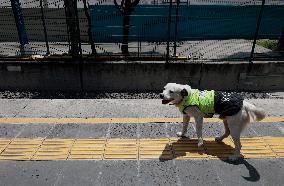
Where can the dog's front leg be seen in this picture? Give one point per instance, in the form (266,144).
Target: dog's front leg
(199,125)
(198,117)
(186,119)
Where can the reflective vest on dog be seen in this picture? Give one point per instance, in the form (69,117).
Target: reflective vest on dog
(204,100)
(210,102)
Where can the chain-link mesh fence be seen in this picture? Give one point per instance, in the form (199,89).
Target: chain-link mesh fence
(152,29)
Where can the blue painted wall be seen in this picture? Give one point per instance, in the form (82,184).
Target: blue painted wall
(149,22)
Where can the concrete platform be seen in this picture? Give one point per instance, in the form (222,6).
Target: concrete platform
(65,142)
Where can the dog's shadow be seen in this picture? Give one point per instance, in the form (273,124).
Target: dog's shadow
(185,148)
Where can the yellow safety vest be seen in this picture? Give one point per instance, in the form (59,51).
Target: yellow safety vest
(204,100)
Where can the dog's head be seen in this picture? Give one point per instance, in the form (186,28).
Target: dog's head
(174,93)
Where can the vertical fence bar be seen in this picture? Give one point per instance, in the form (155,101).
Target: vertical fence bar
(19,20)
(44,28)
(78,29)
(176,27)
(280,44)
(257,30)
(169,31)
(138,44)
(68,32)
(73,27)
(80,47)
(74,31)
(90,34)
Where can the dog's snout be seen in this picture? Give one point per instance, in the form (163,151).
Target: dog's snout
(161,96)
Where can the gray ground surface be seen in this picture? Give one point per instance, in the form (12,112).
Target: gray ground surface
(206,49)
(128,131)
(118,172)
(117,108)
(107,107)
(113,95)
(168,173)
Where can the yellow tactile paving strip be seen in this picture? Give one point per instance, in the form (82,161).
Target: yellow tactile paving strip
(111,120)
(135,149)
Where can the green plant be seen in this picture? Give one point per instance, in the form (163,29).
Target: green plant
(267,43)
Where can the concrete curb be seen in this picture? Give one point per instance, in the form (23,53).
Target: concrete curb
(141,76)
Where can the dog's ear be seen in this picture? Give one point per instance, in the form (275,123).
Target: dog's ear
(184,93)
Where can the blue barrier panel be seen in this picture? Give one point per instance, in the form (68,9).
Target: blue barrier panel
(149,22)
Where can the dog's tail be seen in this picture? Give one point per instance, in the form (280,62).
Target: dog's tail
(257,114)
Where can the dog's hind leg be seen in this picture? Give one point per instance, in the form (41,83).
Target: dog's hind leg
(186,119)
(238,146)
(235,128)
(226,134)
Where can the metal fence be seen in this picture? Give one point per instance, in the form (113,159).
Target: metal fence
(143,30)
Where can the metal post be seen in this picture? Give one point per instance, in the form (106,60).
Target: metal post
(176,26)
(138,43)
(256,31)
(71,16)
(78,30)
(44,28)
(90,34)
(68,32)
(74,31)
(280,44)
(17,11)
(80,47)
(169,31)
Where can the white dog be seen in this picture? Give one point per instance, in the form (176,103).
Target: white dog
(233,110)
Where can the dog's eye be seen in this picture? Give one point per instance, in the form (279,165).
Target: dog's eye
(171,91)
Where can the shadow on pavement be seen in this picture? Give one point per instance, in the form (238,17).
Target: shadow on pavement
(253,173)
(185,148)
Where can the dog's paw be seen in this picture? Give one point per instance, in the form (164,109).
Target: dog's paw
(181,135)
